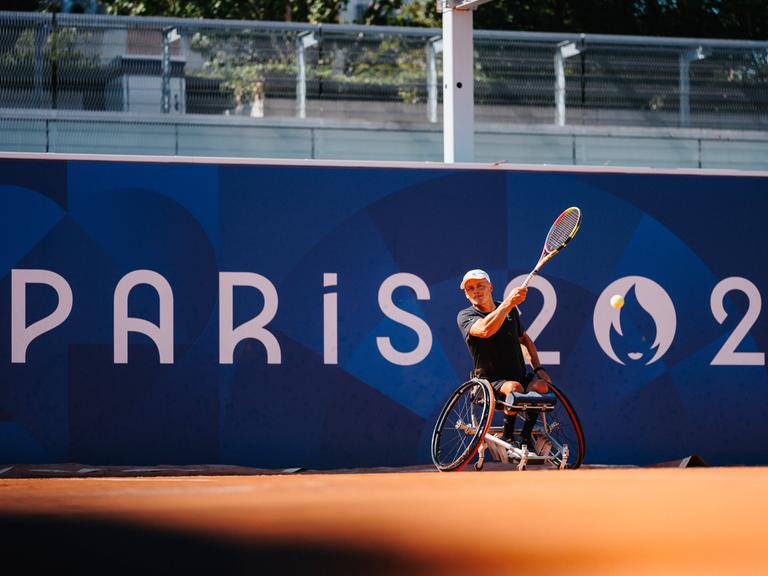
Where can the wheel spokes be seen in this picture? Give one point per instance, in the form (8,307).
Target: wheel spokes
(460,426)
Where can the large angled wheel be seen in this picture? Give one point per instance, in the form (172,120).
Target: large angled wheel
(462,425)
(561,432)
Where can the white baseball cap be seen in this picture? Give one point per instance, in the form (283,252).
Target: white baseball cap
(475,274)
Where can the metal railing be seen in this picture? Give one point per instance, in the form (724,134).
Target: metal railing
(282,70)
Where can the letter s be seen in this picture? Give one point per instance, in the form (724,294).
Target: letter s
(405,318)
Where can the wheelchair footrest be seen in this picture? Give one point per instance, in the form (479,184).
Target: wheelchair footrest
(507,453)
(531,400)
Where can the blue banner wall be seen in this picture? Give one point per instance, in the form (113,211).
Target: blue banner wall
(305,315)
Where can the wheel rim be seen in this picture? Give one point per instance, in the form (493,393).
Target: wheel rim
(561,427)
(461,427)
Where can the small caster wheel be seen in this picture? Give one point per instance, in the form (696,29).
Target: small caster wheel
(478,466)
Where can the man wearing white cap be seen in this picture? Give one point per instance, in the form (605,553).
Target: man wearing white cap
(493,333)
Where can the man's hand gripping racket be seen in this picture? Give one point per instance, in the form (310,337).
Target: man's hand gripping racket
(564,228)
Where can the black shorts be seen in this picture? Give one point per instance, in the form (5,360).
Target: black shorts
(497,384)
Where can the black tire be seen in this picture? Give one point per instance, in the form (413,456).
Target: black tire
(563,427)
(462,425)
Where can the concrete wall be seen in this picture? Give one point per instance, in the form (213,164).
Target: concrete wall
(190,135)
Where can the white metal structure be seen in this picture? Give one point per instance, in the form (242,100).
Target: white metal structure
(434,47)
(458,80)
(303,41)
(564,50)
(170,35)
(686,57)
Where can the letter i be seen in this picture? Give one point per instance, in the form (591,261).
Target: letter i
(330,321)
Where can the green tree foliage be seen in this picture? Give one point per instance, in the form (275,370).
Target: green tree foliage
(23,5)
(691,18)
(276,10)
(688,18)
(403,13)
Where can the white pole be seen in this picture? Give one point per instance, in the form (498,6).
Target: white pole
(165,103)
(686,57)
(564,50)
(559,88)
(458,87)
(685,87)
(303,41)
(434,46)
(301,81)
(170,35)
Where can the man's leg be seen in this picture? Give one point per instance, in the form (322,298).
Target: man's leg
(532,417)
(507,387)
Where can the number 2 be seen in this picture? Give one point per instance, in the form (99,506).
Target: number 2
(544,316)
(727,356)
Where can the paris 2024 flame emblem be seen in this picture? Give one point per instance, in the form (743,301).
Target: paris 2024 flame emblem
(643,329)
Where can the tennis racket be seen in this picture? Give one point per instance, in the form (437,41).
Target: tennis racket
(564,228)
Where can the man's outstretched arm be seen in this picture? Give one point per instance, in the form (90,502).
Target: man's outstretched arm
(489,325)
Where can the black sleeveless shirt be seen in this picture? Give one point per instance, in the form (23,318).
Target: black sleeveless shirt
(498,357)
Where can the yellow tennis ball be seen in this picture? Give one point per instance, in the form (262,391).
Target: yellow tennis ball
(617,301)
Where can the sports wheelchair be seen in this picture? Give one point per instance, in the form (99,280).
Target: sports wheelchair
(465,428)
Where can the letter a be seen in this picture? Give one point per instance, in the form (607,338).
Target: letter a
(161,335)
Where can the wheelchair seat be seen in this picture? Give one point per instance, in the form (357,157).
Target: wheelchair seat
(527,401)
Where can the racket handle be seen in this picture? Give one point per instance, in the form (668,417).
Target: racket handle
(528,279)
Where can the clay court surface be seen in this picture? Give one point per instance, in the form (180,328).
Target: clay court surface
(589,521)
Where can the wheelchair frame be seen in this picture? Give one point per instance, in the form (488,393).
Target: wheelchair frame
(464,429)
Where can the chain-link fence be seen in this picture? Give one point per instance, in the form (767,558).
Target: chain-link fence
(380,74)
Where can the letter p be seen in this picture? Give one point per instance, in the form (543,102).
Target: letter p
(21,334)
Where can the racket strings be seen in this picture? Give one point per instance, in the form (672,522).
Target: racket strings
(563,229)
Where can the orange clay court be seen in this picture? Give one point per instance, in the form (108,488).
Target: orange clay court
(588,521)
